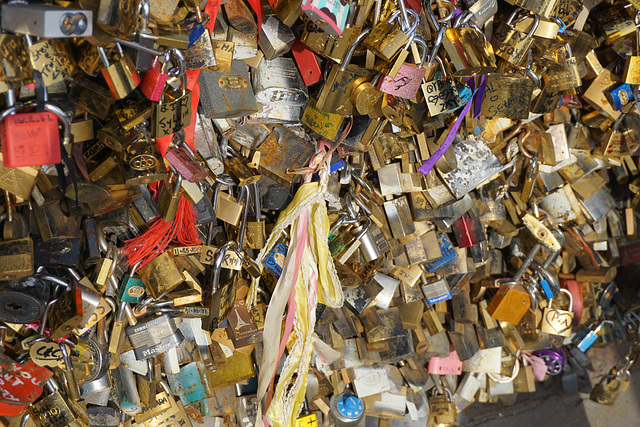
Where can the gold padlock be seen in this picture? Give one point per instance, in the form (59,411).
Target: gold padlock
(510,303)
(161,275)
(556,321)
(170,199)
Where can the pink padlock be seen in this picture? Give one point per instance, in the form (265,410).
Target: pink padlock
(450,365)
(182,158)
(155,79)
(408,79)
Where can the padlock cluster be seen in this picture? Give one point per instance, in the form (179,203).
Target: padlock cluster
(313,212)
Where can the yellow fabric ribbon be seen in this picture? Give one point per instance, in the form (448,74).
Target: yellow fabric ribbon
(315,264)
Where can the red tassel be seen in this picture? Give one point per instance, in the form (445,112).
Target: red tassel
(160,234)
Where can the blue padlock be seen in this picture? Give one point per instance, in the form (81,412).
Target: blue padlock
(584,341)
(620,96)
(448,254)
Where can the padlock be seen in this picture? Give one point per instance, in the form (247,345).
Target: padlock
(121,76)
(227,95)
(469,53)
(585,338)
(23,300)
(55,410)
(307,63)
(154,336)
(161,275)
(173,112)
(606,391)
(219,299)
(407,80)
(507,96)
(52,58)
(331,17)
(280,90)
(131,289)
(346,409)
(511,44)
(335,94)
(328,124)
(275,37)
(241,171)
(170,197)
(18,68)
(32,139)
(154,80)
(182,158)
(620,96)
(631,74)
(610,146)
(116,18)
(558,322)
(280,151)
(141,161)
(113,136)
(441,95)
(143,36)
(67,313)
(565,78)
(201,53)
(387,37)
(510,303)
(449,412)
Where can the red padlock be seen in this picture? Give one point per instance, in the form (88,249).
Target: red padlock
(307,63)
(155,79)
(32,138)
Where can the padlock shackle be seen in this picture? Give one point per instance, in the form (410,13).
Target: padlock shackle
(433,54)
(346,59)
(358,201)
(217,265)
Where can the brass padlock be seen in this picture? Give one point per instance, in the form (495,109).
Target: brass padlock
(55,410)
(241,171)
(606,391)
(565,78)
(141,161)
(510,303)
(387,37)
(16,258)
(631,73)
(469,52)
(161,275)
(173,112)
(335,96)
(507,95)
(121,76)
(511,44)
(556,321)
(170,198)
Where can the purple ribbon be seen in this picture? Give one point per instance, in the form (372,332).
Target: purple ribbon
(431,161)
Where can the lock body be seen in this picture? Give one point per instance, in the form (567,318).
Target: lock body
(30,139)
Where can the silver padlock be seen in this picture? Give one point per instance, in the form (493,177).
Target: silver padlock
(46,20)
(154,336)
(276,38)
(280,91)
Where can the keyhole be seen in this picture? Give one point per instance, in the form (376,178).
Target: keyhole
(13,306)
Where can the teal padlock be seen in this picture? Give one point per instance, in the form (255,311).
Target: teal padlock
(132,289)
